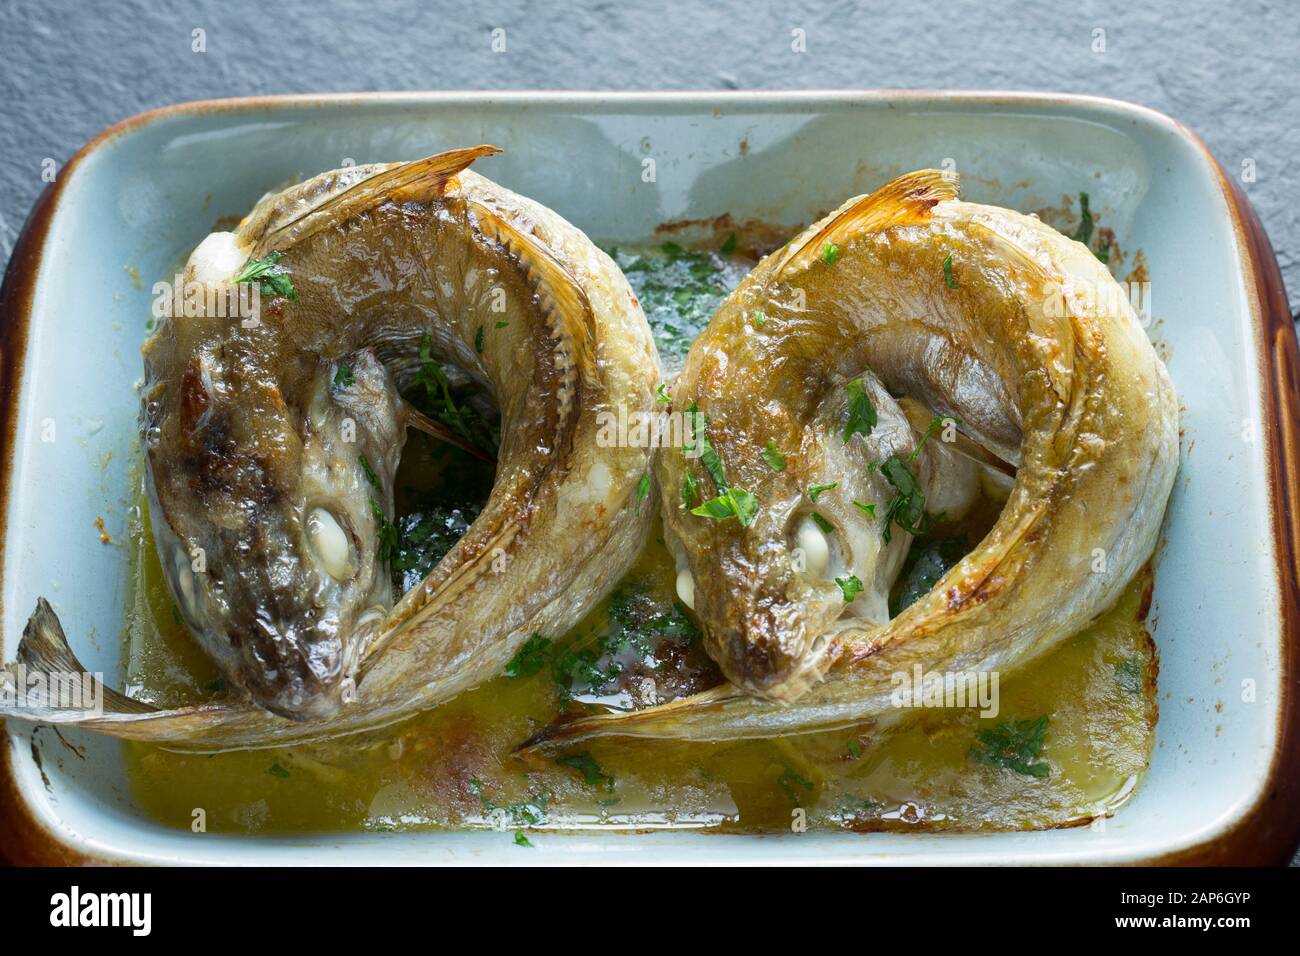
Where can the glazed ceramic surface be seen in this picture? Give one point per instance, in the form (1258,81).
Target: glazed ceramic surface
(133,205)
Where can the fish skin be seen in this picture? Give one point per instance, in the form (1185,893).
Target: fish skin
(1042,371)
(243,433)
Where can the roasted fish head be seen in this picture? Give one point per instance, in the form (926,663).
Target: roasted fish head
(768,582)
(268,533)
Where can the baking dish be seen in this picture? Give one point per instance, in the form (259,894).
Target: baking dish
(1224,613)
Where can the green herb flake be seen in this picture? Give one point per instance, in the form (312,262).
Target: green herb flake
(440,405)
(662,396)
(862,414)
(729,245)
(344,378)
(830,253)
(948,280)
(815,491)
(1083,233)
(521,839)
(271,277)
(907,507)
(850,587)
(821,522)
(855,749)
(733,503)
(1014,745)
(501,323)
(690,494)
(772,455)
(530,658)
(369,472)
(759,318)
(478,340)
(586,765)
(791,779)
(276,770)
(868,510)
(389,540)
(642,490)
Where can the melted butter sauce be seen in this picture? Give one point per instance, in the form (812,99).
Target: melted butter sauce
(454,767)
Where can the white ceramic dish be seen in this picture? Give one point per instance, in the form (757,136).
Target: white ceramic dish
(1225,605)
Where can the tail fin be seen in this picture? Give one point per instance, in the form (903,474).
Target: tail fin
(414,181)
(903,201)
(47,683)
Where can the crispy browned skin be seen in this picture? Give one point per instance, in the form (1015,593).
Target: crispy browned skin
(1028,341)
(253,444)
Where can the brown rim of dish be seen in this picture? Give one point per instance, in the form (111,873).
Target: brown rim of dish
(1268,833)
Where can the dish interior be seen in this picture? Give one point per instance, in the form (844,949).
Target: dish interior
(131,210)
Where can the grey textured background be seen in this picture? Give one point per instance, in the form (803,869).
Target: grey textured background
(1230,71)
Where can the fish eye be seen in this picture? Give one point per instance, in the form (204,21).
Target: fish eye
(329,543)
(815,545)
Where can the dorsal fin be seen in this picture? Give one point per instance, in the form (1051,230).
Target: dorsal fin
(418,180)
(904,201)
(565,302)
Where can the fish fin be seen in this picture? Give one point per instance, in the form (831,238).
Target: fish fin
(416,181)
(421,422)
(568,310)
(904,201)
(48,683)
(657,721)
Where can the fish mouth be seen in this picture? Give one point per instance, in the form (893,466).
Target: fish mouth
(770,648)
(292,677)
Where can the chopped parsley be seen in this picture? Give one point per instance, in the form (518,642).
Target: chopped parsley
(591,665)
(690,493)
(948,280)
(662,396)
(425,536)
(478,340)
(344,378)
(521,839)
(586,765)
(642,490)
(851,587)
(1014,745)
(830,253)
(730,502)
(907,508)
(271,277)
(440,405)
(815,491)
(772,455)
(868,510)
(791,779)
(729,245)
(501,323)
(530,658)
(821,522)
(369,472)
(862,414)
(389,541)
(1083,232)
(276,770)
(759,318)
